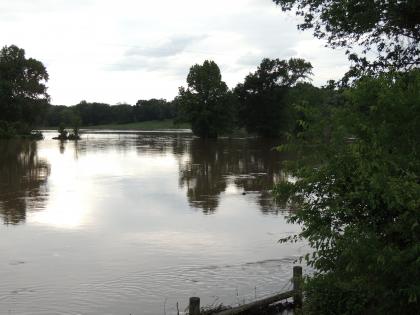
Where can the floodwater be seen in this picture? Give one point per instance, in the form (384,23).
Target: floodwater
(136,223)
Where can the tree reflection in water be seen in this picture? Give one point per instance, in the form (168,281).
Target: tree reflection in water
(23,178)
(252,165)
(207,168)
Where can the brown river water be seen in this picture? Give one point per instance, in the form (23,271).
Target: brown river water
(134,223)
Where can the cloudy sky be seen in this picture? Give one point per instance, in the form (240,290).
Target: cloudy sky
(121,51)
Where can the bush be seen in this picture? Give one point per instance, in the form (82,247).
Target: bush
(360,199)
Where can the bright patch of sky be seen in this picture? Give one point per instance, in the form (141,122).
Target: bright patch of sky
(121,51)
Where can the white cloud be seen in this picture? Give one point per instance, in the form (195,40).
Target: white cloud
(88,45)
(169,47)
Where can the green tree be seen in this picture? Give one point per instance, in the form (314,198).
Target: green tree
(389,29)
(206,103)
(23,93)
(153,109)
(358,197)
(75,123)
(94,113)
(262,97)
(56,115)
(62,132)
(305,97)
(122,113)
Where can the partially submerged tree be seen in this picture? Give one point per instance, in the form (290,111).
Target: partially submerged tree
(62,132)
(262,97)
(206,103)
(75,122)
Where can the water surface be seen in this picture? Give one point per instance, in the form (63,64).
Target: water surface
(134,223)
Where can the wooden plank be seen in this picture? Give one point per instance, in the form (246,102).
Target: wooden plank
(256,304)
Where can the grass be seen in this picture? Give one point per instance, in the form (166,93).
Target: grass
(144,125)
(151,125)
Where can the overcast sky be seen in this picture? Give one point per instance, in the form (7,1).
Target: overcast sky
(124,50)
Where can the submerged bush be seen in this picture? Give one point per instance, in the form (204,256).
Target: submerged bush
(10,130)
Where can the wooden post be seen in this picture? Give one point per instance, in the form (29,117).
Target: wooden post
(297,286)
(194,308)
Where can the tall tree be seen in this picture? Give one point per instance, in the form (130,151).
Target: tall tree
(262,105)
(23,91)
(388,28)
(206,102)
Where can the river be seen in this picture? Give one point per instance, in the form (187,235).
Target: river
(134,223)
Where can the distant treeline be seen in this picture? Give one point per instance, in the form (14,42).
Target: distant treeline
(91,114)
(267,103)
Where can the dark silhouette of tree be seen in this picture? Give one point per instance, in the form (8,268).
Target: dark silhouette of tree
(122,113)
(91,114)
(54,116)
(206,103)
(23,178)
(262,97)
(23,93)
(390,29)
(153,109)
(94,113)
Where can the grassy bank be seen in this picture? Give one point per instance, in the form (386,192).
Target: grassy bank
(144,125)
(152,125)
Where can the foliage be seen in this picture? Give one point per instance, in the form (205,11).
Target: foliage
(56,115)
(36,135)
(76,126)
(10,130)
(122,113)
(262,97)
(304,96)
(23,93)
(153,109)
(94,113)
(7,130)
(62,132)
(145,125)
(389,29)
(358,188)
(206,103)
(91,114)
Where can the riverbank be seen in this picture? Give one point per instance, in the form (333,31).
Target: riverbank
(152,125)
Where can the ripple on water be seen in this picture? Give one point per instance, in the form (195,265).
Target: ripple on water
(233,284)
